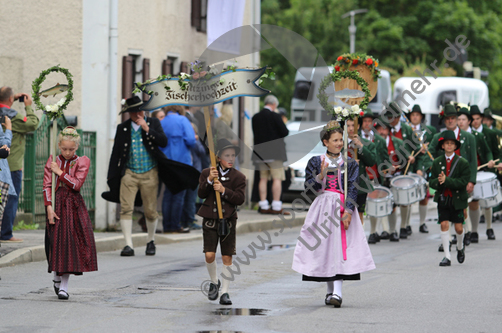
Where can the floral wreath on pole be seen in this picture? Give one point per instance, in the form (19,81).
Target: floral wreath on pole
(342,114)
(347,60)
(56,110)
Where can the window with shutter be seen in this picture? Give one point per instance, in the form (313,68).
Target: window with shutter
(199,15)
(146,75)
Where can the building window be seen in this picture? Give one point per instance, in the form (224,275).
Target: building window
(199,15)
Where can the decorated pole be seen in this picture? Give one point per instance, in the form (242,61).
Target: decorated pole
(55,111)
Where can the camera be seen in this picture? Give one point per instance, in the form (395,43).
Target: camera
(21,99)
(2,119)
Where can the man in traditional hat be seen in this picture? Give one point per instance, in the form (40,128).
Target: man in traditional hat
(484,155)
(424,133)
(136,164)
(405,133)
(395,158)
(467,150)
(368,132)
(492,141)
(449,177)
(231,185)
(489,121)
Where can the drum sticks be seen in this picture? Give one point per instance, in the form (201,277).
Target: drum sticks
(486,164)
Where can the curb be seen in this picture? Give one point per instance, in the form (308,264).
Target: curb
(37,253)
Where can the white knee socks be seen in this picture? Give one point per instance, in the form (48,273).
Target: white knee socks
(460,240)
(422,210)
(474,215)
(330,287)
(224,283)
(151,226)
(64,282)
(56,278)
(211,269)
(392,222)
(126,226)
(338,287)
(445,238)
(488,217)
(373,222)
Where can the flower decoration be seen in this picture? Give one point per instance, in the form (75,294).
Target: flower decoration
(338,112)
(346,60)
(441,114)
(56,110)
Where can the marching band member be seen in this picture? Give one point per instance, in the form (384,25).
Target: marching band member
(484,155)
(372,171)
(488,120)
(467,149)
(405,133)
(366,155)
(393,161)
(491,140)
(425,133)
(449,177)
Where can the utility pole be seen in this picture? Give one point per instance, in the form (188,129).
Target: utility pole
(352,27)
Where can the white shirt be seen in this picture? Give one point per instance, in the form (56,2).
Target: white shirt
(135,126)
(396,128)
(456,131)
(387,140)
(449,157)
(479,129)
(416,127)
(469,130)
(368,136)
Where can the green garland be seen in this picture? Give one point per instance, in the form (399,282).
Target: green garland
(337,76)
(37,83)
(346,60)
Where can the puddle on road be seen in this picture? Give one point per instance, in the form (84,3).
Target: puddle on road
(280,246)
(240,312)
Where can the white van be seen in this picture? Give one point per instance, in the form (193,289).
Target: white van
(305,106)
(439,92)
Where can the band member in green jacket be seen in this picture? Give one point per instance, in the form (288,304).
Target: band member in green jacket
(449,177)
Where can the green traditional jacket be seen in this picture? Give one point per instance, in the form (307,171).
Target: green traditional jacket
(400,151)
(492,141)
(456,181)
(484,152)
(467,151)
(380,150)
(367,158)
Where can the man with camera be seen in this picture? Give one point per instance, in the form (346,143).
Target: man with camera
(20,126)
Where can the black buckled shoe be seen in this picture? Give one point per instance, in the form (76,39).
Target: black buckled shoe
(336,301)
(408,230)
(150,248)
(467,239)
(454,239)
(56,289)
(423,229)
(63,294)
(212,295)
(474,237)
(127,252)
(384,235)
(403,234)
(327,299)
(377,237)
(461,255)
(445,262)
(490,234)
(225,299)
(393,237)
(482,219)
(372,239)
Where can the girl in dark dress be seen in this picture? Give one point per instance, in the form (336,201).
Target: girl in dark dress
(69,238)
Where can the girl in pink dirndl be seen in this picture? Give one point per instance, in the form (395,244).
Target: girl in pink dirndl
(69,238)
(332,246)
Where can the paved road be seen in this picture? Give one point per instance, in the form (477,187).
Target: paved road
(408,292)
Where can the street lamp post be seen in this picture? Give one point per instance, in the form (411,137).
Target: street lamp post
(352,27)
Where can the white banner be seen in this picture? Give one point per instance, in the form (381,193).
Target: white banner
(203,92)
(223,16)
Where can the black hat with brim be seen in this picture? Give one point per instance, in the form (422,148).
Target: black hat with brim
(448,135)
(132,104)
(382,122)
(466,112)
(415,108)
(475,110)
(368,113)
(488,113)
(225,144)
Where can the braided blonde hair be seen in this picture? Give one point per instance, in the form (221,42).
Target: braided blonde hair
(69,134)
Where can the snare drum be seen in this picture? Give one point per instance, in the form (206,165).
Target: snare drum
(487,186)
(422,186)
(404,190)
(379,203)
(493,201)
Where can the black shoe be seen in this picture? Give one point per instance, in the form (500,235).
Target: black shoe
(403,234)
(327,299)
(461,255)
(150,248)
(225,299)
(63,295)
(377,237)
(127,252)
(467,239)
(372,239)
(454,239)
(474,237)
(56,289)
(336,301)
(441,248)
(445,262)
(212,295)
(408,230)
(393,237)
(490,234)
(384,235)
(423,229)
(482,219)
